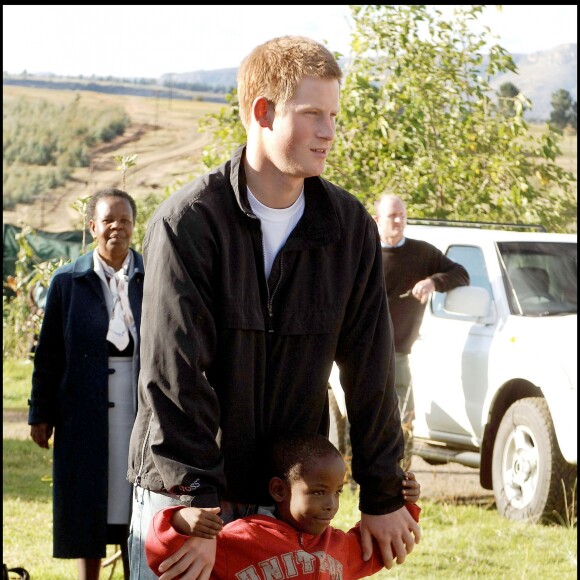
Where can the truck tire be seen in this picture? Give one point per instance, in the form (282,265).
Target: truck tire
(530,477)
(337,430)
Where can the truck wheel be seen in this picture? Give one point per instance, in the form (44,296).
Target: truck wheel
(337,430)
(529,474)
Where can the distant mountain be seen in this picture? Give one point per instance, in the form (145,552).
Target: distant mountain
(223,78)
(539,75)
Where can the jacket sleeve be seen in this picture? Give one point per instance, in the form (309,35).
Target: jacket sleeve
(365,357)
(49,359)
(162,539)
(178,342)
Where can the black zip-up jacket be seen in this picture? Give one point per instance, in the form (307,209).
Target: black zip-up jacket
(224,348)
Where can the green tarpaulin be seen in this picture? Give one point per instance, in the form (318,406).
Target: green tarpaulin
(46,246)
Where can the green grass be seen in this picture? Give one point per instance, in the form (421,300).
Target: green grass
(464,541)
(471,541)
(16,383)
(27,492)
(27,514)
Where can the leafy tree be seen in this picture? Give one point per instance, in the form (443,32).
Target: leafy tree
(507,96)
(226,129)
(561,110)
(417,120)
(573,116)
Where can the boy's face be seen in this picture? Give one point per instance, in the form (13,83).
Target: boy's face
(304,129)
(310,503)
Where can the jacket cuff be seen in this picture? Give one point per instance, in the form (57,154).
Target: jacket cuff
(38,413)
(374,507)
(206,500)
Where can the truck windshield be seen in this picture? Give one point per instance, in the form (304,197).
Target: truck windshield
(540,277)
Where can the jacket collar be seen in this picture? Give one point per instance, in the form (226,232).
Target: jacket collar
(83,266)
(319,224)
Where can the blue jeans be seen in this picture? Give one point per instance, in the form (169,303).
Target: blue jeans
(145,505)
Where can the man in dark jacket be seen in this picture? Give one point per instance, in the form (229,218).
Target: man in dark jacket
(264,274)
(413,269)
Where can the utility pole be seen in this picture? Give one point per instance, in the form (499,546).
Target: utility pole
(42,199)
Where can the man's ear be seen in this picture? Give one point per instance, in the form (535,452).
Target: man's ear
(92,229)
(262,111)
(278,489)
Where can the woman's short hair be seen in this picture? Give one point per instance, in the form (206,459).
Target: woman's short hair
(109,192)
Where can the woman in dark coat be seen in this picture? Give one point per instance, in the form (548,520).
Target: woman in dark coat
(84,385)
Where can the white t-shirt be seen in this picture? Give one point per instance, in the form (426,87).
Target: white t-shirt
(277,224)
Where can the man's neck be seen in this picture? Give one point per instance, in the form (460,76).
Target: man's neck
(271,187)
(393,241)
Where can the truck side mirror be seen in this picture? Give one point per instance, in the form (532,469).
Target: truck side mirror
(472,301)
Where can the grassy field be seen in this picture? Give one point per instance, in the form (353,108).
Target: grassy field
(467,541)
(568,159)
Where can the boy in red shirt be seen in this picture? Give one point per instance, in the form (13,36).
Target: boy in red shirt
(294,540)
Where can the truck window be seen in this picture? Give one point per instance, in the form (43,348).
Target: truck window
(471,258)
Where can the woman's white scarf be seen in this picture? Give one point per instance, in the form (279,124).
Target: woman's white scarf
(117,283)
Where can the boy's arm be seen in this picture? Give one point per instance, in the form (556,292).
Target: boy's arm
(165,543)
(198,522)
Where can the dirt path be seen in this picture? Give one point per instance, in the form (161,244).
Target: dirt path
(164,136)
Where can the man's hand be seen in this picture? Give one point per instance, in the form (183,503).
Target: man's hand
(193,561)
(396,535)
(423,289)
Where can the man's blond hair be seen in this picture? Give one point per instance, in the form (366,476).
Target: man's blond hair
(274,69)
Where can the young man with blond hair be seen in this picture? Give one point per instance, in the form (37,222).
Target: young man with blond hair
(265,273)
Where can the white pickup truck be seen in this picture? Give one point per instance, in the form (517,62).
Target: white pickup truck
(495,368)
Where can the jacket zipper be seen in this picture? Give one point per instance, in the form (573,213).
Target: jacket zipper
(271,297)
(142,462)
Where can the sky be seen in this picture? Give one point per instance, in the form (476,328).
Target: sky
(149,41)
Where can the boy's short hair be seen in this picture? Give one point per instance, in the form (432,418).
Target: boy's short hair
(293,454)
(275,68)
(109,192)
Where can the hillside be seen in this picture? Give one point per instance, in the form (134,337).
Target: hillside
(163,134)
